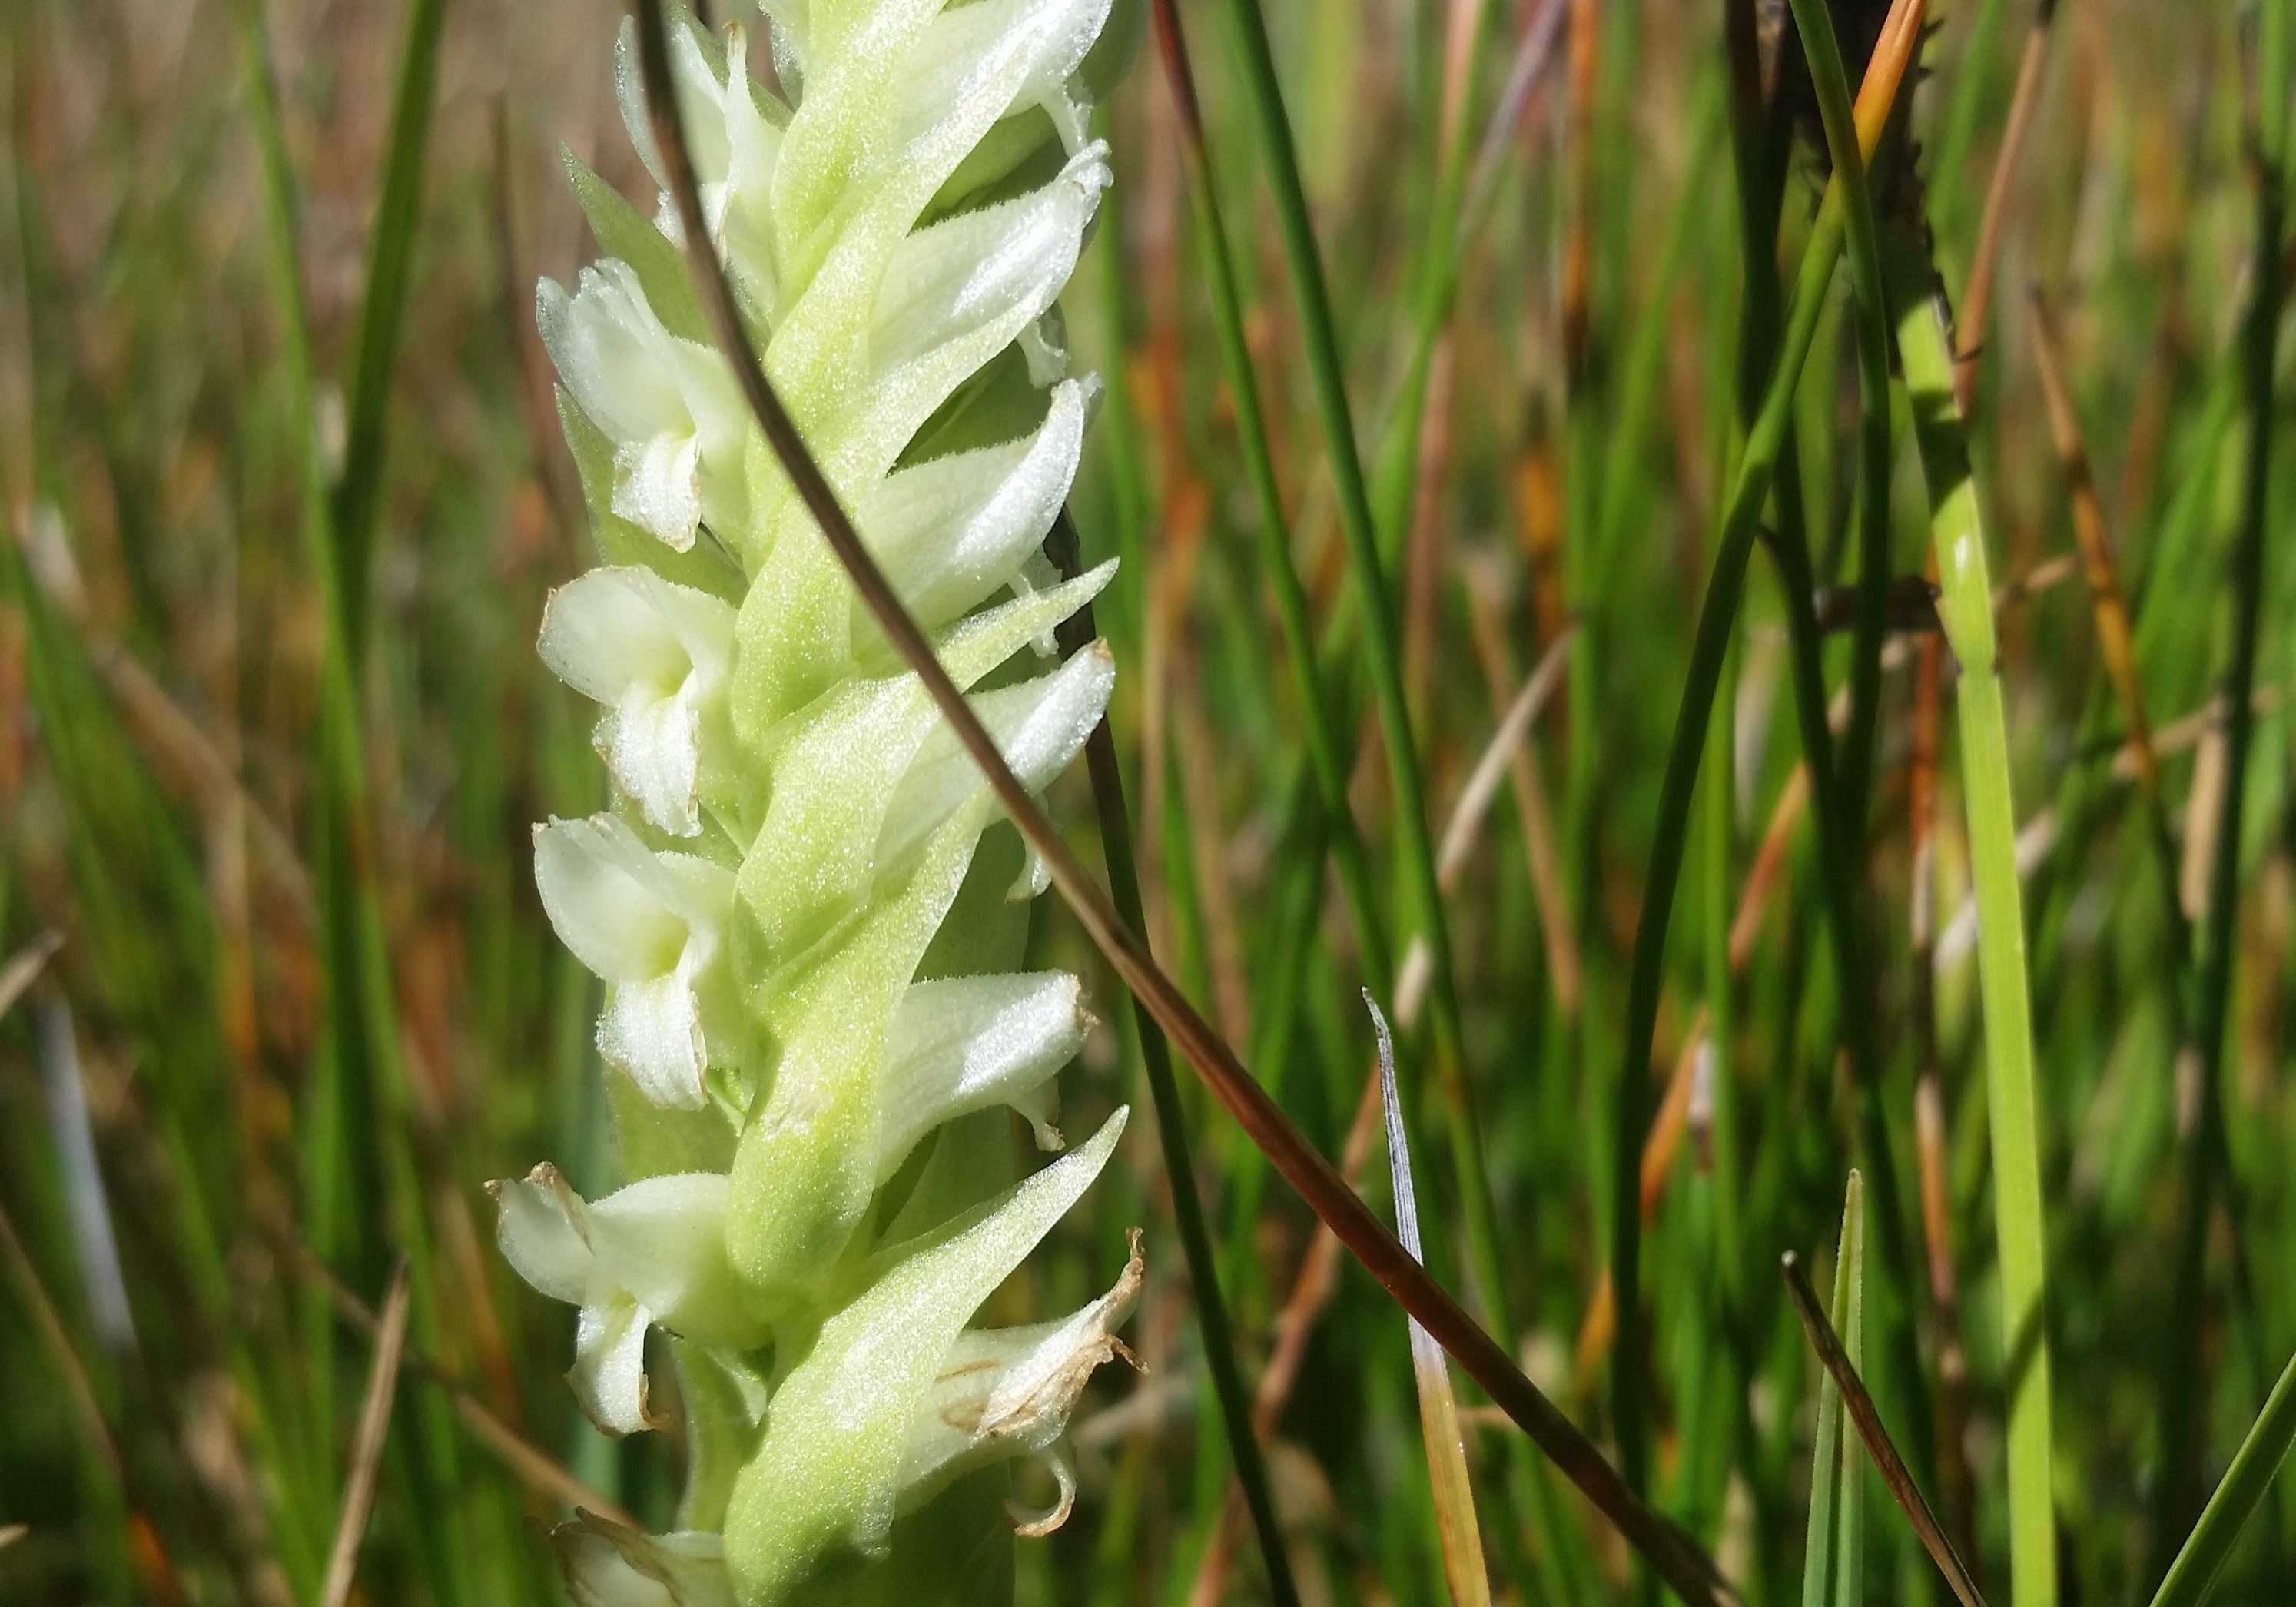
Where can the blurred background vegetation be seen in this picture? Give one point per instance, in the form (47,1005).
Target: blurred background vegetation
(284,493)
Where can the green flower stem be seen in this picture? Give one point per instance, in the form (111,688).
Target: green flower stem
(1378,643)
(2218,939)
(1925,346)
(1074,634)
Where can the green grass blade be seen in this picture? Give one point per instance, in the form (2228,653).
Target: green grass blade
(1463,1565)
(1435,279)
(2258,1458)
(1716,624)
(1172,1122)
(2184,1403)
(1966,607)
(1379,643)
(1823,51)
(1842,774)
(1834,1567)
(389,267)
(1322,729)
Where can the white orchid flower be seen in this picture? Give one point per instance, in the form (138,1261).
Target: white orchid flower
(653,926)
(963,1044)
(652,1252)
(655,654)
(669,405)
(734,135)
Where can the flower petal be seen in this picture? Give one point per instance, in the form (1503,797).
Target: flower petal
(829,837)
(608,899)
(652,748)
(615,630)
(1039,725)
(658,486)
(1008,1391)
(662,1240)
(544,1234)
(966,1043)
(956,294)
(655,654)
(950,532)
(652,1029)
(668,404)
(606,340)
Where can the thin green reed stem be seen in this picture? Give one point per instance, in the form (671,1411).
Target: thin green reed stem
(1853,776)
(1924,344)
(1758,149)
(389,274)
(1716,624)
(362,985)
(2183,1409)
(1320,336)
(330,1153)
(1834,1555)
(1841,774)
(1171,1119)
(2260,1457)
(1642,375)
(1326,755)
(1322,731)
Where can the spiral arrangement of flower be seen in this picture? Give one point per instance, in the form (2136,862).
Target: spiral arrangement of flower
(807,931)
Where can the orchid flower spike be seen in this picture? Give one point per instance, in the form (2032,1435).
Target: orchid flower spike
(802,903)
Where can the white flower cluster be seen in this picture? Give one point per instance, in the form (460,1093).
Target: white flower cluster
(810,1023)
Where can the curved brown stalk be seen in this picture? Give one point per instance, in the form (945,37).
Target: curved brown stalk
(1674,1555)
(1868,1419)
